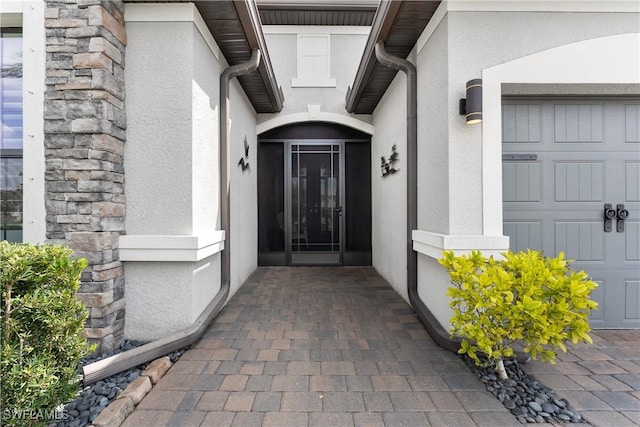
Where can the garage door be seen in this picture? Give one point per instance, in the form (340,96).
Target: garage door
(563,162)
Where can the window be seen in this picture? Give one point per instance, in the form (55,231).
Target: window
(11,184)
(314,65)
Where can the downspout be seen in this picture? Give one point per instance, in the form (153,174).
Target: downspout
(113,365)
(431,324)
(225,158)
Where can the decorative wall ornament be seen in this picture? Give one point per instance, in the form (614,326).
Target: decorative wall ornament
(244,161)
(388,166)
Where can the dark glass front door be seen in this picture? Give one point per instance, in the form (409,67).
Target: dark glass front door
(314,221)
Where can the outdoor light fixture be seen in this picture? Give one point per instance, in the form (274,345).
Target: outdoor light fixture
(471,106)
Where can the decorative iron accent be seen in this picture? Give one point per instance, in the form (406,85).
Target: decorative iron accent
(244,161)
(388,166)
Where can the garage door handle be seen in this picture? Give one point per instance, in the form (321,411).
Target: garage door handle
(609,215)
(623,215)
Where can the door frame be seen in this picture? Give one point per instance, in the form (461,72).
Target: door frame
(312,257)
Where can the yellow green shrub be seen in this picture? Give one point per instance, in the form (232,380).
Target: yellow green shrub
(525,297)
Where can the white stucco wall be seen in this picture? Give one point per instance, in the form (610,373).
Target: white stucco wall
(389,194)
(459,174)
(244,189)
(346,50)
(171,166)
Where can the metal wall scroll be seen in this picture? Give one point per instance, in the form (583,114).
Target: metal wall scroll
(244,161)
(388,166)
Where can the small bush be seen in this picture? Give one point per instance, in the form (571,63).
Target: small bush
(524,298)
(42,337)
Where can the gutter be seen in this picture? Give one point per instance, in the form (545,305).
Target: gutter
(431,324)
(113,365)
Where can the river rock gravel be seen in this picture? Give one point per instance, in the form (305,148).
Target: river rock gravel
(527,399)
(94,398)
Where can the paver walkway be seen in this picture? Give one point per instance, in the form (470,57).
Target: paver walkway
(314,346)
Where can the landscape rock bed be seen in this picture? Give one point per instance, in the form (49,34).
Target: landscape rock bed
(94,398)
(527,399)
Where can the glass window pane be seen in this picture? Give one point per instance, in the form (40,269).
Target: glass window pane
(11,180)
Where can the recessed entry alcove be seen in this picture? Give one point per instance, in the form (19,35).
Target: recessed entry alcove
(314,195)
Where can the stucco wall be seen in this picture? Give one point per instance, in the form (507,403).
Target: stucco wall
(389,194)
(346,50)
(172,161)
(453,188)
(244,189)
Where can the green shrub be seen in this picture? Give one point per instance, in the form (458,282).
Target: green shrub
(42,337)
(525,297)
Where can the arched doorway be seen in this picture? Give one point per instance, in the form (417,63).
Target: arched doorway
(314,195)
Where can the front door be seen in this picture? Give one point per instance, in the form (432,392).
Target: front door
(314,202)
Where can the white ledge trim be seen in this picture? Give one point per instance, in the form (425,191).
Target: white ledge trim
(432,244)
(171,12)
(170,247)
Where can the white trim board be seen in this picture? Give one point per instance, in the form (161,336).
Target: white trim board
(604,60)
(313,115)
(171,12)
(30,16)
(432,244)
(170,247)
(316,29)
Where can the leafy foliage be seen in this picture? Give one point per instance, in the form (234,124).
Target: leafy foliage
(525,297)
(42,337)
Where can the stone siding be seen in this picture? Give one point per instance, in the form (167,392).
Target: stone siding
(84,126)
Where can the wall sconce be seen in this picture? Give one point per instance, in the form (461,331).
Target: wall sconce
(471,106)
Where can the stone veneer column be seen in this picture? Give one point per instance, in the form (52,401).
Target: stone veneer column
(84,126)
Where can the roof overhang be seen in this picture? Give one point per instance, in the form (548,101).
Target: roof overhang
(310,12)
(236,27)
(399,25)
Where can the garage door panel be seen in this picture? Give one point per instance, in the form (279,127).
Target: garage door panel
(632,241)
(580,241)
(554,192)
(632,300)
(524,235)
(632,181)
(523,181)
(578,181)
(578,123)
(632,123)
(521,123)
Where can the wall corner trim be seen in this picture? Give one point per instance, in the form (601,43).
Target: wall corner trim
(170,247)
(432,244)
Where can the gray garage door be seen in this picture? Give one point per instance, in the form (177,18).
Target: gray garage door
(563,160)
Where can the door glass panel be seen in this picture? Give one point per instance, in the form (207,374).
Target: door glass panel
(315,225)
(271,216)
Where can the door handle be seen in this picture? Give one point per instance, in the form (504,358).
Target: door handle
(623,215)
(609,215)
(339,210)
